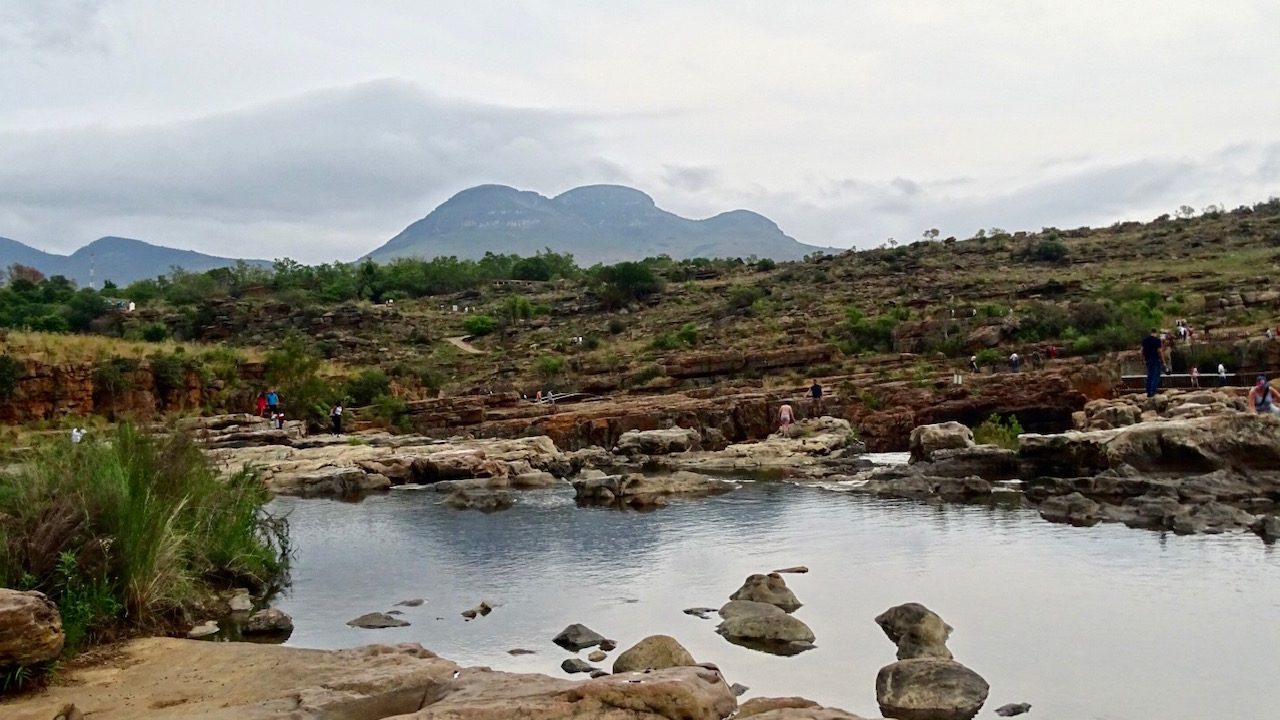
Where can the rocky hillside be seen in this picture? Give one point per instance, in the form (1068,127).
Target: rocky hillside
(596,223)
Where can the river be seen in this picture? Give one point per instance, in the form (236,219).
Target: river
(1107,622)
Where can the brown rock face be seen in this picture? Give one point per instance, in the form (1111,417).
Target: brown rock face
(30,628)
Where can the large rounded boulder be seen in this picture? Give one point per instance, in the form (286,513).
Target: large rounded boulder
(761,626)
(30,628)
(771,589)
(930,689)
(925,440)
(655,652)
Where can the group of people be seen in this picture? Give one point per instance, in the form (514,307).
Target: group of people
(1262,397)
(1015,360)
(268,406)
(787,414)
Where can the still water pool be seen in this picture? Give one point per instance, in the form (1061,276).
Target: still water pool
(1105,622)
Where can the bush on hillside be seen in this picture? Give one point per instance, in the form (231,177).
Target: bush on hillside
(479,325)
(997,431)
(369,384)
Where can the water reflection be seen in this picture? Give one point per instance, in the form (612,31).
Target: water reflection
(1104,622)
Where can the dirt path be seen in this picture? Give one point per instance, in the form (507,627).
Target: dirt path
(461,343)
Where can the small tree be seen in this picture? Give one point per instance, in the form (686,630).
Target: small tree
(479,325)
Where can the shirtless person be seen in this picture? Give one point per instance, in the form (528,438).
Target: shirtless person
(786,416)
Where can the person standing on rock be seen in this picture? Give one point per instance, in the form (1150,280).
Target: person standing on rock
(973,363)
(260,406)
(1222,375)
(1014,362)
(815,392)
(1154,360)
(1195,376)
(1264,399)
(786,416)
(273,402)
(335,417)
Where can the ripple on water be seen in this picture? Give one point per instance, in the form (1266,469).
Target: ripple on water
(1104,622)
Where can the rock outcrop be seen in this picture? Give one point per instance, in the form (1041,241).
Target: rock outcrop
(646,491)
(30,628)
(658,442)
(916,630)
(163,679)
(927,439)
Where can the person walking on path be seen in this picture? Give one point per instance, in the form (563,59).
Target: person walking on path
(786,416)
(1014,362)
(973,363)
(1195,376)
(1154,360)
(1222,375)
(1264,399)
(335,417)
(273,401)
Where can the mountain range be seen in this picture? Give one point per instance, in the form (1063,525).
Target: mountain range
(120,260)
(596,223)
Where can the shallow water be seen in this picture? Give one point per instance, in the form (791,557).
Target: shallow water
(1105,622)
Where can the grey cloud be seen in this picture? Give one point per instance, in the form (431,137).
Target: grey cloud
(61,25)
(364,159)
(690,178)
(864,213)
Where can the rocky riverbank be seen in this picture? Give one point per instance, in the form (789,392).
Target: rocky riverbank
(162,679)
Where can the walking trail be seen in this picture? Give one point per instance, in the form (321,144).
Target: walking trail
(461,343)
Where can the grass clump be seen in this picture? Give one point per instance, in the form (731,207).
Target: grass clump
(999,431)
(134,532)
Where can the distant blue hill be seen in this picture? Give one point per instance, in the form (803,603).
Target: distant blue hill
(120,260)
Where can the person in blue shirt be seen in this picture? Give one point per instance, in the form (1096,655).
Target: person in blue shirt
(273,402)
(1155,362)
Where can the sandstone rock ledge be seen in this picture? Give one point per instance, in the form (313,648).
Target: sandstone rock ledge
(166,679)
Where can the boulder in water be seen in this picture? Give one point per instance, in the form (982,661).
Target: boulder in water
(376,621)
(926,439)
(1013,709)
(1073,509)
(770,589)
(653,653)
(777,633)
(269,621)
(929,689)
(576,665)
(916,630)
(577,637)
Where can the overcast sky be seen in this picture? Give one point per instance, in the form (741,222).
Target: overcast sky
(319,129)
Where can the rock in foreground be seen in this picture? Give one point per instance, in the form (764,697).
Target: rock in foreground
(30,628)
(166,679)
(930,689)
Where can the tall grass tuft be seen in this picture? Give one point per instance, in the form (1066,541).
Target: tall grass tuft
(131,531)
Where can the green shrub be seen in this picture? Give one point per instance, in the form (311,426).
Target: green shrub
(392,410)
(479,325)
(742,297)
(616,326)
(688,334)
(133,532)
(168,372)
(294,371)
(548,366)
(369,384)
(989,357)
(155,332)
(11,372)
(647,373)
(997,431)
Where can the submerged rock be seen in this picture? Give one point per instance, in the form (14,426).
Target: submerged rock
(653,653)
(576,665)
(770,589)
(765,627)
(377,621)
(486,501)
(1013,709)
(415,602)
(702,613)
(578,637)
(789,708)
(930,689)
(481,610)
(1074,509)
(203,630)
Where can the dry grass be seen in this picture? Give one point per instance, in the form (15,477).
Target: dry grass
(57,347)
